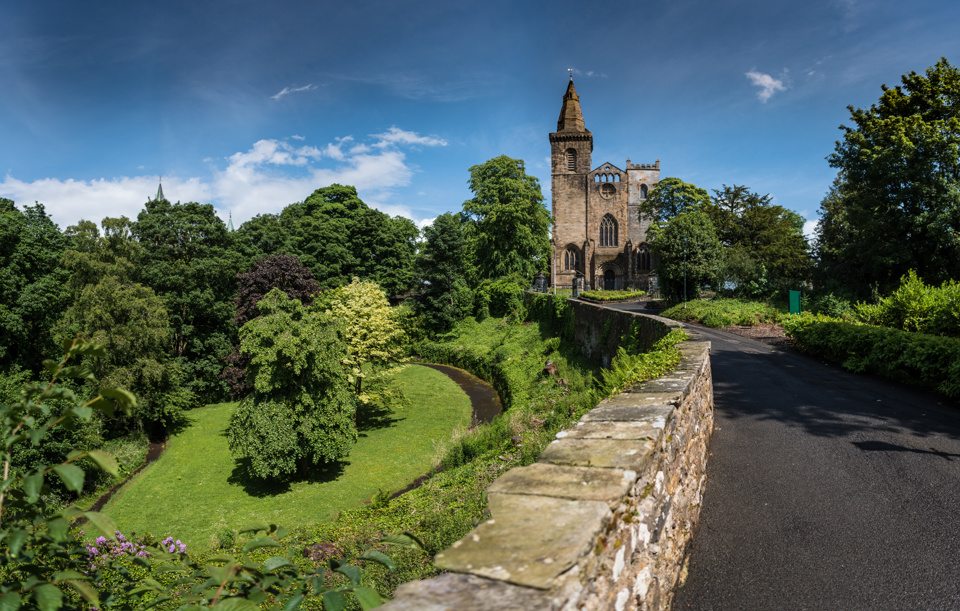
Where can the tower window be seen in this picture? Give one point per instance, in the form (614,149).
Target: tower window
(571,160)
(608,231)
(571,259)
(643,191)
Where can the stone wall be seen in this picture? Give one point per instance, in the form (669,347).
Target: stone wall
(602,520)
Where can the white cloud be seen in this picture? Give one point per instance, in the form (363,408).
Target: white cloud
(424,223)
(810,229)
(263,179)
(289,90)
(767,84)
(297,137)
(395,136)
(590,73)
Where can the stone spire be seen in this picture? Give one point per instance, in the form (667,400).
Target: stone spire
(230,223)
(160,192)
(571,118)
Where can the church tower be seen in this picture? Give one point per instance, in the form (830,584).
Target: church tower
(570,155)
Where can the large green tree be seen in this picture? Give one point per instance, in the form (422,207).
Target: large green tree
(506,225)
(670,197)
(444,297)
(765,242)
(687,248)
(899,163)
(32,283)
(189,261)
(302,409)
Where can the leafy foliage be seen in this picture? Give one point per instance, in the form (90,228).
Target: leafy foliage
(506,224)
(283,272)
(630,367)
(669,198)
(916,306)
(762,240)
(897,205)
(301,410)
(724,312)
(444,297)
(688,247)
(914,358)
(612,295)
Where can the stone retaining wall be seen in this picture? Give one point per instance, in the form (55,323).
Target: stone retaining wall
(602,520)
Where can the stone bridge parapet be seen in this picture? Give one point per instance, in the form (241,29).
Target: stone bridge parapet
(602,520)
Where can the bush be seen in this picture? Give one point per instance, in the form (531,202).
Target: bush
(724,312)
(611,295)
(914,358)
(916,306)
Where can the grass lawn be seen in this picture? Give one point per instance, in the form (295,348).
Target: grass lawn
(196,487)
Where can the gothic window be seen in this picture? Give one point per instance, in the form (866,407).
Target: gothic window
(608,231)
(643,259)
(616,178)
(607,190)
(643,191)
(571,160)
(596,178)
(571,259)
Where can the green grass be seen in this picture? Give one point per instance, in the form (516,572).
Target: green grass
(724,312)
(196,488)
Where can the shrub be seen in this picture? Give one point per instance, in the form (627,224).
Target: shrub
(915,358)
(611,295)
(724,312)
(916,306)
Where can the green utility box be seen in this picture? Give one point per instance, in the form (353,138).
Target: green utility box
(794,302)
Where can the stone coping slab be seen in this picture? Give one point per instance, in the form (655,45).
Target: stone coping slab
(630,454)
(530,541)
(455,592)
(576,483)
(629,413)
(607,429)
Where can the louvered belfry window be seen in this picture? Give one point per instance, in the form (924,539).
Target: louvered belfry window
(571,160)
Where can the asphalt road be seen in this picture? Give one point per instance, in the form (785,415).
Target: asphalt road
(825,490)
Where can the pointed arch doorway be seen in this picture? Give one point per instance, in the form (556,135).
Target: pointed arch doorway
(609,280)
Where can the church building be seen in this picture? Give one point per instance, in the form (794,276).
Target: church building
(597,232)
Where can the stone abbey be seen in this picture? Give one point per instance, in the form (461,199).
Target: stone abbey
(597,231)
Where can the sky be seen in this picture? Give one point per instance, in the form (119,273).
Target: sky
(251,106)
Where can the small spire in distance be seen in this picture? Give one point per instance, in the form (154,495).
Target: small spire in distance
(230,222)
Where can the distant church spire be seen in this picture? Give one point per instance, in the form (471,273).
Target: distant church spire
(159,196)
(230,223)
(571,118)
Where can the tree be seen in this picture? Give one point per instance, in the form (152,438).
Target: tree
(765,242)
(33,289)
(506,225)
(670,197)
(444,297)
(688,246)
(368,326)
(900,168)
(301,410)
(189,261)
(282,272)
(132,323)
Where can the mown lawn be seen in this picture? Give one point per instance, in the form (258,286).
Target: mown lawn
(196,488)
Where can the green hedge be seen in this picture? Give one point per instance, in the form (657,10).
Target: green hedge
(611,295)
(723,312)
(917,358)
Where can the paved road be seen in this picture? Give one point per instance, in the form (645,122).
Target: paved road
(825,490)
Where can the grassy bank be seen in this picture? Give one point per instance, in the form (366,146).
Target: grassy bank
(196,490)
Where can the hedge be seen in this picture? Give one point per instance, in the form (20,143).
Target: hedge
(928,360)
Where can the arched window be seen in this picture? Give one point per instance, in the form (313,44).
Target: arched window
(608,231)
(616,178)
(643,259)
(596,178)
(571,160)
(643,191)
(571,259)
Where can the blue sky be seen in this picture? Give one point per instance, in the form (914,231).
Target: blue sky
(250,106)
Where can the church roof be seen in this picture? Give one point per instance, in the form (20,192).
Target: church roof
(571,117)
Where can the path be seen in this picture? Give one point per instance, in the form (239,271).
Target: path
(825,490)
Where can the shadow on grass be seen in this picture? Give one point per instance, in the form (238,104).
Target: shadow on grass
(374,417)
(242,475)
